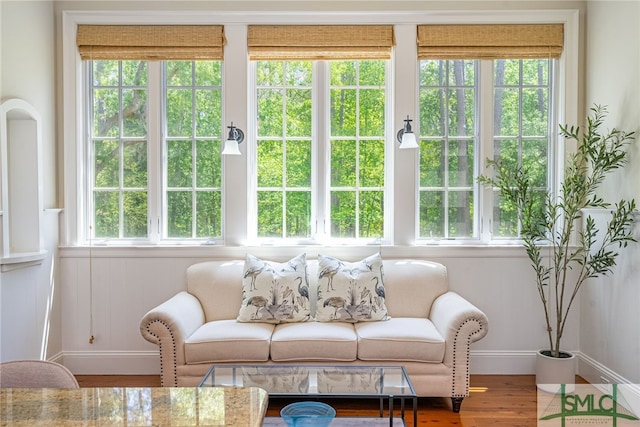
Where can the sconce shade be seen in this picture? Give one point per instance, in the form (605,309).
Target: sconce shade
(408,140)
(231,147)
(236,136)
(406,137)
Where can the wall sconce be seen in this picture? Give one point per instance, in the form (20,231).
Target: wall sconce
(406,137)
(236,136)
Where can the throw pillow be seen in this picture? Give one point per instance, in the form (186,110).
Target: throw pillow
(275,292)
(350,291)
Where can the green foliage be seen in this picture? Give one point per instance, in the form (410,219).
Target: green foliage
(553,222)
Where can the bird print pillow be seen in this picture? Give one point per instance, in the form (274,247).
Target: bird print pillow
(275,292)
(350,292)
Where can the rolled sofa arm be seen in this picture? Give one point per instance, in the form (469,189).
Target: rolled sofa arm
(460,323)
(169,325)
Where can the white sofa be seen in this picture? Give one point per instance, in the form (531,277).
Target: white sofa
(429,333)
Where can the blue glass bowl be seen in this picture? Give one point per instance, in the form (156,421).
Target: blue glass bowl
(308,414)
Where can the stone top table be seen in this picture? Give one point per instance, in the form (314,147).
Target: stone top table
(145,406)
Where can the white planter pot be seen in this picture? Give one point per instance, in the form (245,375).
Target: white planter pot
(553,371)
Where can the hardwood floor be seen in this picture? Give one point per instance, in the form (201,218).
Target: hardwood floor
(495,400)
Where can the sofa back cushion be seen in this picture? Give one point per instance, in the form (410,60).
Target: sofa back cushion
(411,286)
(218,286)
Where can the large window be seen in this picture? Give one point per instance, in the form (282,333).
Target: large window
(144,114)
(327,182)
(119,139)
(449,141)
(193,167)
(451,150)
(522,129)
(284,148)
(357,141)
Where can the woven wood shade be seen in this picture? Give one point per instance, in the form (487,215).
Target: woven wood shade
(150,42)
(490,41)
(316,42)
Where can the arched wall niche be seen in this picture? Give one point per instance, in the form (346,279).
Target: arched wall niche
(22,208)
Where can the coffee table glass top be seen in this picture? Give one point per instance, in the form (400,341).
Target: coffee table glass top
(296,380)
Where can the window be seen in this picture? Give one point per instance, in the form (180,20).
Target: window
(476,102)
(357,153)
(294,164)
(522,128)
(126,143)
(321,118)
(284,148)
(192,146)
(118,143)
(450,94)
(449,140)
(153,120)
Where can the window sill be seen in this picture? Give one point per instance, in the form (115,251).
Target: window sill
(22,260)
(285,252)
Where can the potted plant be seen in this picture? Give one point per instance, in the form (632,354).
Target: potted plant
(564,248)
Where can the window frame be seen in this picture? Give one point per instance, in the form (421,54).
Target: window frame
(156,140)
(484,137)
(321,163)
(403,225)
(153,140)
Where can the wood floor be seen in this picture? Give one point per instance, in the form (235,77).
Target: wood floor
(495,400)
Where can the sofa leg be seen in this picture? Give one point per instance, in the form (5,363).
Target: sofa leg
(456,402)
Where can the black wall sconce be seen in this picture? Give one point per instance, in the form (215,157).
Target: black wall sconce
(406,137)
(235,138)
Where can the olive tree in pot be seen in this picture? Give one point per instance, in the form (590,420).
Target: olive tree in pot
(564,248)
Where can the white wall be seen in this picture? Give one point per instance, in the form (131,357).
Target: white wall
(128,282)
(30,300)
(610,315)
(28,72)
(29,308)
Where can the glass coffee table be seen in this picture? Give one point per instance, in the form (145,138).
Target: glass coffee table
(386,383)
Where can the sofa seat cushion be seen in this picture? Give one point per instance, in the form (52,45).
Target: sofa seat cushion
(317,341)
(227,341)
(400,339)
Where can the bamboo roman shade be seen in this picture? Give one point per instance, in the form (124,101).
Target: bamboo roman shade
(313,42)
(150,42)
(490,41)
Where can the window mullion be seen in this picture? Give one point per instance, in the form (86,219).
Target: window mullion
(121,153)
(194,143)
(155,143)
(285,136)
(485,113)
(320,154)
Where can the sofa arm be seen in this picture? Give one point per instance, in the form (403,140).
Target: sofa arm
(169,325)
(460,323)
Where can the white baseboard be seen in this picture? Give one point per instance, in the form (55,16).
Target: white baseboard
(597,373)
(489,362)
(112,362)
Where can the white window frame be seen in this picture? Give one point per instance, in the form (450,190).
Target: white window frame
(320,159)
(484,149)
(403,102)
(156,140)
